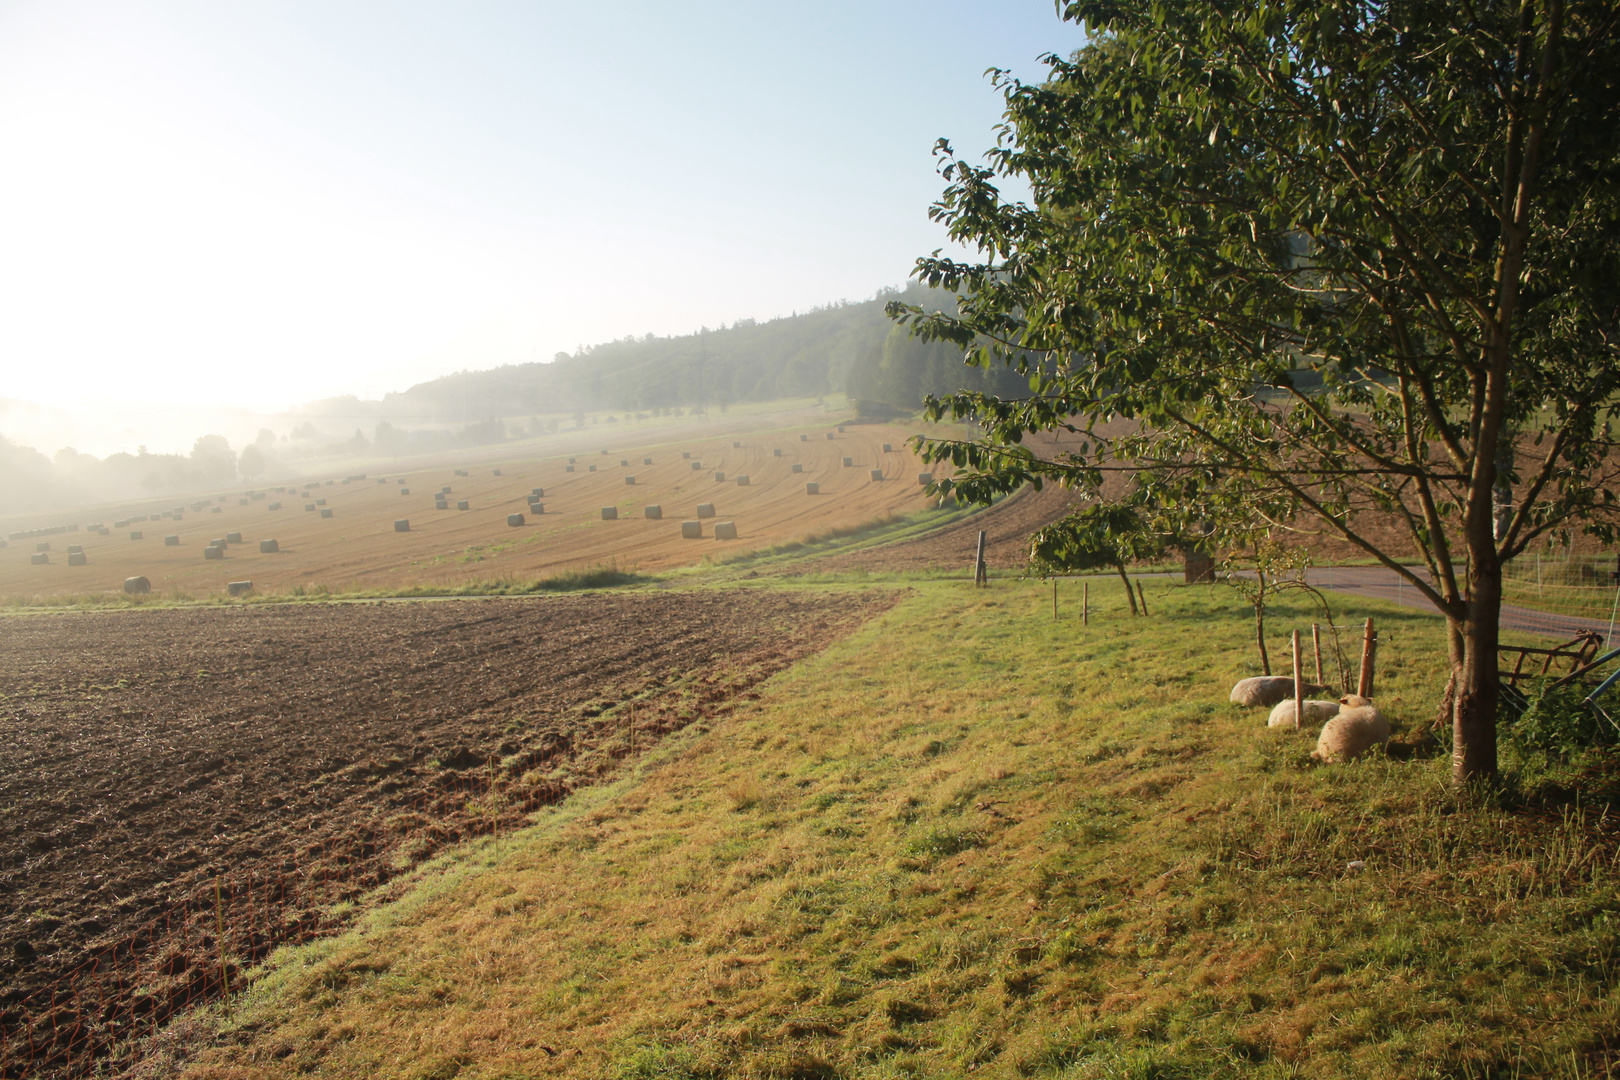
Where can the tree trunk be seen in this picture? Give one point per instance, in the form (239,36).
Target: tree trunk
(1473,721)
(1129,595)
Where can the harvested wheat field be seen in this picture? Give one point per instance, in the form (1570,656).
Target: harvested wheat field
(299,756)
(354,533)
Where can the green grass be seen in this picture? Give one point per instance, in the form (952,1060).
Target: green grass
(971,841)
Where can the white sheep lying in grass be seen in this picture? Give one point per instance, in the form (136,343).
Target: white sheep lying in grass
(1316,712)
(1357,729)
(1268,690)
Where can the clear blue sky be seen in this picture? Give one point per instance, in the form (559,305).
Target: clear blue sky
(265,203)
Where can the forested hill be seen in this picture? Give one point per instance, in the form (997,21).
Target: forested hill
(848,347)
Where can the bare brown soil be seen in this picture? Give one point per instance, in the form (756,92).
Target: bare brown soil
(305,754)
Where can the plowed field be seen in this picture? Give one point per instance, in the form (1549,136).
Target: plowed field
(300,755)
(357,547)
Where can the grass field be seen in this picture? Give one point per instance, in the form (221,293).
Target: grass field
(970,840)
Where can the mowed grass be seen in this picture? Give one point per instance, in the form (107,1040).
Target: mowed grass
(972,841)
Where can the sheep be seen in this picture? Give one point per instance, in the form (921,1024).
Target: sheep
(1357,729)
(1265,690)
(1316,712)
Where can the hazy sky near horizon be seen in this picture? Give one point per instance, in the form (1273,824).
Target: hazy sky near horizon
(265,203)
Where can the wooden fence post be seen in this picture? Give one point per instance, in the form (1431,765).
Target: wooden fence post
(980,577)
(1054,599)
(1299,685)
(1316,645)
(1085,603)
(1369,655)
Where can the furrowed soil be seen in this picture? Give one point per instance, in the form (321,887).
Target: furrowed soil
(319,750)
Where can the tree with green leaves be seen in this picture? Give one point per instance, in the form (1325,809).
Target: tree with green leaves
(1098,536)
(1333,260)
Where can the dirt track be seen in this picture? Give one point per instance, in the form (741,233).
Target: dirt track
(150,752)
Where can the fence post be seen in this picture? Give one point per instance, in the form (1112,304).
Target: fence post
(979,574)
(1299,686)
(1085,603)
(1316,644)
(1369,654)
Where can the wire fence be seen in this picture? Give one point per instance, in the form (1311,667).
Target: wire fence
(1580,585)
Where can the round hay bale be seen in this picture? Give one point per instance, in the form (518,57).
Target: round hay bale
(326,512)
(462,504)
(697,466)
(849,463)
(39,558)
(735,444)
(686,453)
(888,448)
(570,461)
(812,488)
(877,474)
(268,547)
(497,472)
(538,493)
(804,438)
(630,480)
(840,429)
(441,504)
(593,468)
(137,535)
(233,538)
(719,477)
(725,530)
(776,451)
(216,510)
(653,511)
(568,468)
(646,461)
(831,436)
(445,490)
(43,545)
(77,558)
(310,508)
(624,462)
(537,508)
(705,510)
(404,491)
(219,542)
(514,520)
(402,524)
(171,541)
(1316,712)
(213,553)
(1262,690)
(241,502)
(610,513)
(239,588)
(320,502)
(75,549)
(742,481)
(136,585)
(925,478)
(797,467)
(275,506)
(691,530)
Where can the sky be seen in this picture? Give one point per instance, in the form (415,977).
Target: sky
(210,209)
